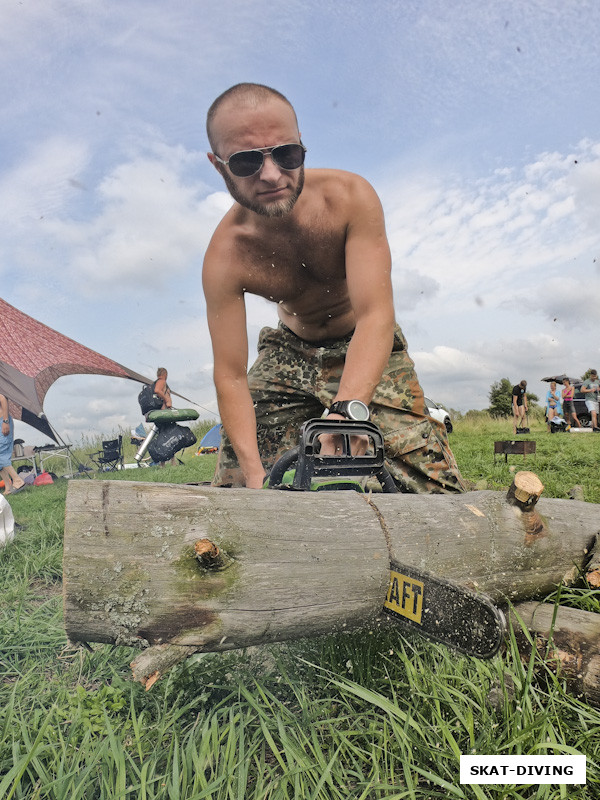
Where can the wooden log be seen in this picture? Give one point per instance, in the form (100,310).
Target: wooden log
(290,564)
(481,541)
(296,564)
(568,640)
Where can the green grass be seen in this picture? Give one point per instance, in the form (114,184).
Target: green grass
(357,716)
(561,460)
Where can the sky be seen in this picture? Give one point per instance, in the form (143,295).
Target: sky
(477,123)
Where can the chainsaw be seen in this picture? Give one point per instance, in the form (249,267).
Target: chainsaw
(438,609)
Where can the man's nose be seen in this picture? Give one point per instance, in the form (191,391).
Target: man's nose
(269,170)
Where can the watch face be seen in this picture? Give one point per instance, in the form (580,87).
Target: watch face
(358,410)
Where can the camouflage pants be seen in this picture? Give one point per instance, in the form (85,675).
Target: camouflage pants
(293,380)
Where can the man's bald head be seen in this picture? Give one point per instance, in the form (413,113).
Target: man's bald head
(248,94)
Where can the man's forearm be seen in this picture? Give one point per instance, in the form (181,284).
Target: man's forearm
(239,420)
(366,359)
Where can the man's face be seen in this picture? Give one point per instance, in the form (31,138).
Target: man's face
(272,191)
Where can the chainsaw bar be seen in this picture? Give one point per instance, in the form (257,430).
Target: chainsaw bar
(436,608)
(444,611)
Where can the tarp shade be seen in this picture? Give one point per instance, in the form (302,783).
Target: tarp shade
(33,356)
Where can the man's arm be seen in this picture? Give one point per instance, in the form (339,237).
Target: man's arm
(160,388)
(368,275)
(226,312)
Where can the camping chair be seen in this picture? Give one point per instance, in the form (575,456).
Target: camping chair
(110,458)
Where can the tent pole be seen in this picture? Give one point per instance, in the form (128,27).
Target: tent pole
(64,444)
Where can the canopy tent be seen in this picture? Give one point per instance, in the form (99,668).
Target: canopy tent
(33,356)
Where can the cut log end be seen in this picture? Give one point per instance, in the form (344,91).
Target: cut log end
(568,641)
(593,578)
(525,491)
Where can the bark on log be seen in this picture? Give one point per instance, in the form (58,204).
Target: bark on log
(568,639)
(291,564)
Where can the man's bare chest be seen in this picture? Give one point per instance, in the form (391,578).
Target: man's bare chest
(283,268)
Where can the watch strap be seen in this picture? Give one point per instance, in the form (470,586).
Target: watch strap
(342,407)
(339,407)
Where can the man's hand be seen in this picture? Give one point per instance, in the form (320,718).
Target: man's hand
(256,480)
(332,445)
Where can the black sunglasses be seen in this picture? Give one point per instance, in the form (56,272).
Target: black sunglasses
(248,162)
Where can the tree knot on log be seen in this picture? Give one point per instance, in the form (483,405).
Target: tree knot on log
(210,556)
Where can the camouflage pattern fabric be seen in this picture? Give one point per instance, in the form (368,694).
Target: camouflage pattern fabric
(293,380)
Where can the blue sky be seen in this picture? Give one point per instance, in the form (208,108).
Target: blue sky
(477,123)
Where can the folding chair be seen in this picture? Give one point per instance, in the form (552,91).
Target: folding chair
(110,458)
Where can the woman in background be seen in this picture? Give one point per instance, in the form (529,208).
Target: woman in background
(12,482)
(568,393)
(553,408)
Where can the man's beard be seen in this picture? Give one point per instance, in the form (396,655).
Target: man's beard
(279,208)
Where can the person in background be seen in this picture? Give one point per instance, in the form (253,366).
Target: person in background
(519,404)
(161,388)
(591,388)
(12,482)
(553,407)
(568,393)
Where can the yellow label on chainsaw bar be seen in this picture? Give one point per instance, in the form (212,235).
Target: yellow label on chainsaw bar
(405,596)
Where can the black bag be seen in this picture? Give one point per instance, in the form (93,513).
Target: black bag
(170,439)
(148,400)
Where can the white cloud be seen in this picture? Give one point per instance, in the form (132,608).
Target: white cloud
(151,223)
(501,237)
(43,183)
(412,287)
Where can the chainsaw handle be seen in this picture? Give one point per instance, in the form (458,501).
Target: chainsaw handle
(336,469)
(281,466)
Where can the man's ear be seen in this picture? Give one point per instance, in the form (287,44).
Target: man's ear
(216,164)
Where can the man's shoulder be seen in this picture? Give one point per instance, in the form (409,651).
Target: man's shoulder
(339,194)
(335,180)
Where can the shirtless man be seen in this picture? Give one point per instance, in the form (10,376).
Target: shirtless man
(161,387)
(315,244)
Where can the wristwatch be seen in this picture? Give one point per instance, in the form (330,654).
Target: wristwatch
(5,420)
(351,409)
